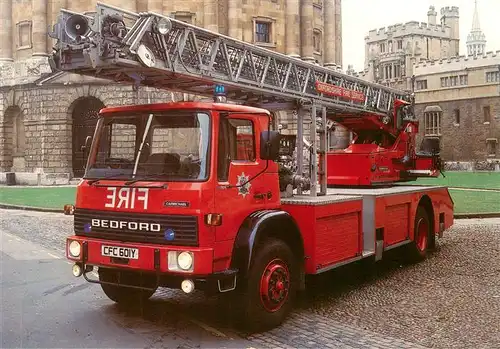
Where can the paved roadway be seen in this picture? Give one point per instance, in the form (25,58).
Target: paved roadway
(44,306)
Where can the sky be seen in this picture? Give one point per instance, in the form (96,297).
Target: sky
(381,13)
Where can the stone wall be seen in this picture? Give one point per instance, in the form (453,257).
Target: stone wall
(466,140)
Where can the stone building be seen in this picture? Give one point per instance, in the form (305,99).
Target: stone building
(45,117)
(458,100)
(391,52)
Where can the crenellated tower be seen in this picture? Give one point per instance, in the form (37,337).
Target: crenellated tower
(476,40)
(450,17)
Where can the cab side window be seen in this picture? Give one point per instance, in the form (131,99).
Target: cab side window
(236,144)
(243,141)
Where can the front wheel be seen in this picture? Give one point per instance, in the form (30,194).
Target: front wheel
(266,298)
(123,294)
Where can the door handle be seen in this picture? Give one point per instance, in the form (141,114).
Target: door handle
(267,195)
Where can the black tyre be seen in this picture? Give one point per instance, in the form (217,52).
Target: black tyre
(123,294)
(266,297)
(422,235)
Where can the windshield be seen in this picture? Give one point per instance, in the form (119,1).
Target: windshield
(172,145)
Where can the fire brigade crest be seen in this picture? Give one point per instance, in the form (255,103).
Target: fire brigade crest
(243,190)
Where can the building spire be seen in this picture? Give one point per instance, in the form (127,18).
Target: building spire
(475,18)
(476,40)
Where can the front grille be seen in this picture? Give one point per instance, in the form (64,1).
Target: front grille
(185,228)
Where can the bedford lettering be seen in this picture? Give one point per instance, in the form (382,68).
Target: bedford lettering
(127,197)
(106,223)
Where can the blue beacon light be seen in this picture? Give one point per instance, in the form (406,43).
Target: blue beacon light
(220,93)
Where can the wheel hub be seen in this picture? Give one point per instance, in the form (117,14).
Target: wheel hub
(422,232)
(274,285)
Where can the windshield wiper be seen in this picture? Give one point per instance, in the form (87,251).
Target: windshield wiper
(113,176)
(142,178)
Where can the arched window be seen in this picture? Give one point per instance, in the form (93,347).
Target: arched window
(432,120)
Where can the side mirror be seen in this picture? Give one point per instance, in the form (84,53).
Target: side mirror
(86,147)
(269,145)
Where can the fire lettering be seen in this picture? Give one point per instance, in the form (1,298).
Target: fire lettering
(127,197)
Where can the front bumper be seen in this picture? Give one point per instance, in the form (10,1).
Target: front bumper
(153,260)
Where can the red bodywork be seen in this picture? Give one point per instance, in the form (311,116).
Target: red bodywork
(333,232)
(331,229)
(213,253)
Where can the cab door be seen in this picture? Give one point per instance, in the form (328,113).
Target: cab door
(243,182)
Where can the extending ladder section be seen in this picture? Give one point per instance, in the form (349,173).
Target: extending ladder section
(153,50)
(157,51)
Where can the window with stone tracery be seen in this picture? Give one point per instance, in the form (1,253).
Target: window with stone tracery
(432,123)
(493,76)
(421,84)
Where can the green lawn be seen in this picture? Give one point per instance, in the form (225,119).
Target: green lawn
(475,201)
(478,180)
(45,197)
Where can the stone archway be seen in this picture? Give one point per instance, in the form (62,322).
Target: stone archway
(84,113)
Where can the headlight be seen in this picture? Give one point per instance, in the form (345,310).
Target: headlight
(185,260)
(75,249)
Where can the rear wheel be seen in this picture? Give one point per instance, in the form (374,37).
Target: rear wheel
(266,298)
(422,235)
(123,294)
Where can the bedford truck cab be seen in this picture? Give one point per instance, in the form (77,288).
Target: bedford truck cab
(165,192)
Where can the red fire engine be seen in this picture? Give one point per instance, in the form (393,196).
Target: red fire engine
(207,195)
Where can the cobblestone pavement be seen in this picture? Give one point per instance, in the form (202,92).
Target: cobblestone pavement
(450,300)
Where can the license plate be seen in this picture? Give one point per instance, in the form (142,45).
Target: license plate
(120,252)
